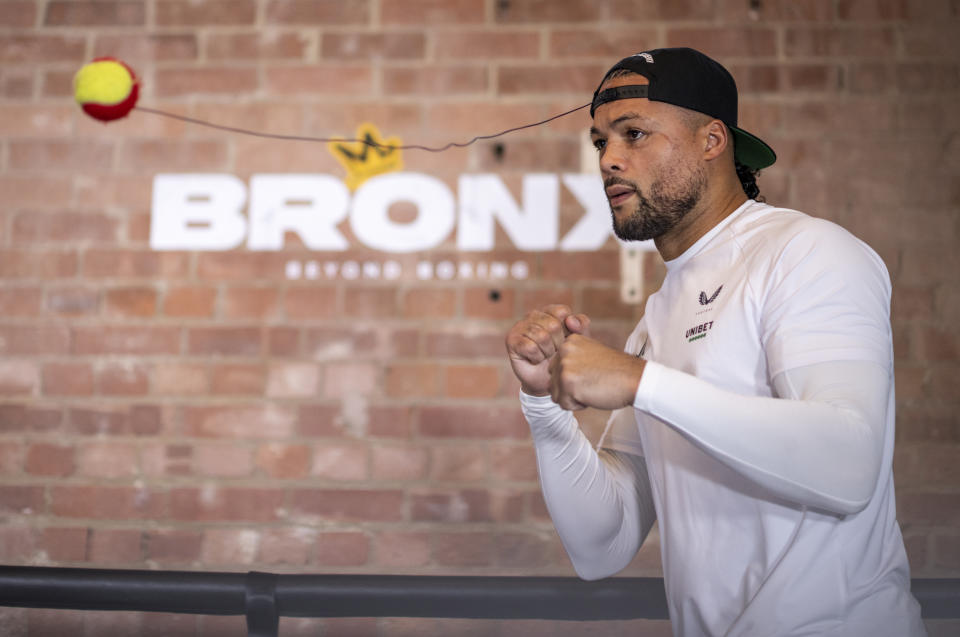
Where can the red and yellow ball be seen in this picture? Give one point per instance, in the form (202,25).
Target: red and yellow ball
(106,88)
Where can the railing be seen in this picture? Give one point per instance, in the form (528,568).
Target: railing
(264,597)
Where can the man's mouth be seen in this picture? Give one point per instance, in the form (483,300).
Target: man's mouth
(617,194)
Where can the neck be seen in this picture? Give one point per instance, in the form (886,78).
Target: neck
(713,208)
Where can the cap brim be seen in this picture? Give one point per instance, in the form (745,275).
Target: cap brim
(751,151)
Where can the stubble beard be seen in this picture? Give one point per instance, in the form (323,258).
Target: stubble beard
(670,199)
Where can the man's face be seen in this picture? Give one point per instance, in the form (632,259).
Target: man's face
(650,163)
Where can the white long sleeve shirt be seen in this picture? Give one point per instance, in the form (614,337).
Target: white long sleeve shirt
(761,437)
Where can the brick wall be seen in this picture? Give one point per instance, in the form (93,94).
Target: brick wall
(199,410)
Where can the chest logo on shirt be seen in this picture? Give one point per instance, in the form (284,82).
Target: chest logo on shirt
(698,331)
(704,300)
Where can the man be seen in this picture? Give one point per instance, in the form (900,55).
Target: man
(755,405)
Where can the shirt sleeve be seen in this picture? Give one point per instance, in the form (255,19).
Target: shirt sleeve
(820,444)
(600,502)
(827,298)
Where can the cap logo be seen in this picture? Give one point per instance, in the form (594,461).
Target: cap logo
(646,57)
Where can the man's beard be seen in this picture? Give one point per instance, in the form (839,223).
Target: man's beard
(669,201)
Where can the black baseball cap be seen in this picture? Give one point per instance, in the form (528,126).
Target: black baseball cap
(688,78)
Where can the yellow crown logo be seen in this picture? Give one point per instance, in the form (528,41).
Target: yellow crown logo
(372,155)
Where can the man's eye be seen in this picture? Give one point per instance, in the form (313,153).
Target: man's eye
(599,143)
(635,134)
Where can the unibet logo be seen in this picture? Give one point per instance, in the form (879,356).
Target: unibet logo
(206,212)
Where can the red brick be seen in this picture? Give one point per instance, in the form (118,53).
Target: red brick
(918,78)
(226,341)
(223,460)
(135,302)
(293,379)
(115,546)
(18,14)
(486,45)
(286,545)
(342,549)
(513,463)
(522,550)
(867,10)
(254,422)
(540,12)
(412,380)
(123,379)
(172,546)
(250,302)
(238,379)
(113,339)
(64,544)
(724,42)
(36,49)
(939,344)
(350,380)
(458,463)
(420,12)
(132,264)
(211,12)
(611,44)
(463,549)
(22,500)
(341,462)
(19,377)
(317,12)
(212,504)
(435,80)
(70,226)
(471,381)
(149,156)
(284,462)
(460,345)
(173,378)
(577,266)
(11,457)
(107,460)
(141,48)
(315,421)
(479,303)
(16,85)
(472,422)
(14,418)
(133,420)
(429,303)
(255,46)
(310,303)
(73,301)
(946,551)
(348,505)
(810,77)
(370,302)
(373,45)
(529,155)
(61,156)
(229,546)
(45,459)
(928,508)
(402,549)
(100,502)
(351,80)
(68,379)
(189,301)
(833,41)
(36,192)
(326,343)
(397,463)
(390,422)
(125,13)
(283,341)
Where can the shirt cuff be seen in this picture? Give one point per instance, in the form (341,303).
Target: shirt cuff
(647,388)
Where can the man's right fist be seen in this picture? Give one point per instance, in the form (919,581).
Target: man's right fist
(534,340)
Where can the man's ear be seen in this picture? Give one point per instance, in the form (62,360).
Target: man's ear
(716,140)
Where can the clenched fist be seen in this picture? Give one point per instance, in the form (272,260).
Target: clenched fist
(534,340)
(587,373)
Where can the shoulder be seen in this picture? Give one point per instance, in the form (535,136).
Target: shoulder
(783,240)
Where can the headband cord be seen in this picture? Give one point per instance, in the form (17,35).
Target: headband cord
(345,140)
